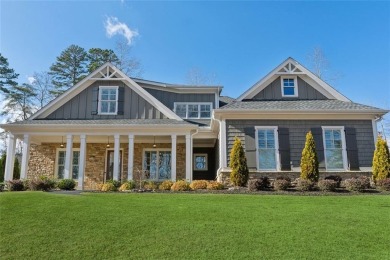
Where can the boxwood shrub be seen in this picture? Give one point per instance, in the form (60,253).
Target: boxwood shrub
(199,184)
(66,184)
(335,178)
(383,184)
(327,185)
(354,184)
(166,185)
(281,184)
(262,183)
(16,185)
(305,185)
(214,185)
(180,186)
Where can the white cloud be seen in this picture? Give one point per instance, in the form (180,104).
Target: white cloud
(30,79)
(113,27)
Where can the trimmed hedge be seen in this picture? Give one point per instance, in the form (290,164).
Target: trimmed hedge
(66,184)
(262,183)
(327,185)
(281,184)
(199,184)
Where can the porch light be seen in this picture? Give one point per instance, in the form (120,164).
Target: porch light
(108,142)
(62,142)
(154,142)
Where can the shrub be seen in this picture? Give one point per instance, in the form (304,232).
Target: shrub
(166,185)
(258,184)
(180,186)
(128,185)
(305,185)
(66,184)
(327,185)
(199,184)
(309,160)
(335,178)
(43,183)
(117,184)
(281,184)
(99,186)
(108,186)
(365,181)
(15,185)
(381,160)
(1,187)
(214,185)
(354,184)
(383,184)
(150,185)
(240,173)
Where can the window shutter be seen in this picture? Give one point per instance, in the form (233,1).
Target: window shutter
(284,149)
(250,148)
(121,100)
(352,149)
(317,135)
(95,100)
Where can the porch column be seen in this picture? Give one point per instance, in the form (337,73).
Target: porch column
(116,157)
(188,157)
(173,158)
(9,162)
(68,157)
(130,161)
(83,144)
(25,156)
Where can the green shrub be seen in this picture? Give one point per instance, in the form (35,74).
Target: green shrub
(335,178)
(327,185)
(108,186)
(199,184)
(281,184)
(66,184)
(305,185)
(383,184)
(309,160)
(128,185)
(258,184)
(381,160)
(214,185)
(150,185)
(43,183)
(354,184)
(240,173)
(117,184)
(1,187)
(166,185)
(15,185)
(180,186)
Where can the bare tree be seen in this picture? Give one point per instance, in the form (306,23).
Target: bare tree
(126,63)
(196,77)
(43,87)
(320,66)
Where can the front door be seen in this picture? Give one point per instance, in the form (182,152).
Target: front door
(110,165)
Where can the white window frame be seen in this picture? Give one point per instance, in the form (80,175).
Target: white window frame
(282,78)
(275,129)
(207,162)
(343,146)
(157,150)
(100,100)
(199,111)
(71,159)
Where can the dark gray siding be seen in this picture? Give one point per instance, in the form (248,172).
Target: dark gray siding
(297,135)
(211,172)
(81,106)
(274,91)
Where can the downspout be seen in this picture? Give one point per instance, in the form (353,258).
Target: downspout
(219,174)
(375,128)
(192,152)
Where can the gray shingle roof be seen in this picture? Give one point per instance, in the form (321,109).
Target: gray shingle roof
(105,122)
(224,100)
(297,105)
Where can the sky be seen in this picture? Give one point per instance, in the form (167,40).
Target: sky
(238,42)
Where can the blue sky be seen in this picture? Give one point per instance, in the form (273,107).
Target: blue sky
(239,42)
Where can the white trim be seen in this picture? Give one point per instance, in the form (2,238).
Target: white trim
(188,157)
(56,162)
(222,137)
(295,78)
(343,146)
(199,111)
(194,162)
(173,156)
(100,100)
(375,130)
(68,157)
(157,150)
(121,150)
(25,156)
(82,159)
(277,161)
(130,159)
(10,160)
(117,144)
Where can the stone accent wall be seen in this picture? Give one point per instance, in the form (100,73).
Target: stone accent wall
(42,160)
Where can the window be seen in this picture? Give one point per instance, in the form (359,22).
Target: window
(157,164)
(289,87)
(60,168)
(108,100)
(200,162)
(267,148)
(193,110)
(334,144)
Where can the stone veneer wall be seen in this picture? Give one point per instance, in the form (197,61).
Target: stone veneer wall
(42,161)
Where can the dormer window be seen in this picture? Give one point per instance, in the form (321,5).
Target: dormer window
(193,110)
(108,100)
(289,86)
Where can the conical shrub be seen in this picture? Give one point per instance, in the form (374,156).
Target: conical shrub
(239,174)
(309,160)
(381,160)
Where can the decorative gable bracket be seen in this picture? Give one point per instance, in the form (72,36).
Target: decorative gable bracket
(106,73)
(289,68)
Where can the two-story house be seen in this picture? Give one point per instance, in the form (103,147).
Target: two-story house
(110,126)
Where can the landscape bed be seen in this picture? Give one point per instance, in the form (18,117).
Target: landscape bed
(48,225)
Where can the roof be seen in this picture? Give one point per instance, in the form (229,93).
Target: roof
(176,86)
(112,122)
(224,100)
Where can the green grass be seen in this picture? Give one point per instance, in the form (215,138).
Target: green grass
(37,225)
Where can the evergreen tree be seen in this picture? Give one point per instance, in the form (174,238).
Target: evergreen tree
(381,160)
(19,102)
(7,75)
(240,173)
(97,57)
(69,69)
(309,160)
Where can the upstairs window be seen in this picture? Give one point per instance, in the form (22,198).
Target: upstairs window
(193,110)
(108,100)
(289,87)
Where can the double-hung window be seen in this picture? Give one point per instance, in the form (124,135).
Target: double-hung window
(193,110)
(108,100)
(267,148)
(60,165)
(289,86)
(334,145)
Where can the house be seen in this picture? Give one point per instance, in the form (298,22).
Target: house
(110,126)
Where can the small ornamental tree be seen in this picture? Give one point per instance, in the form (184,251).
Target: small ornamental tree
(309,160)
(239,175)
(381,160)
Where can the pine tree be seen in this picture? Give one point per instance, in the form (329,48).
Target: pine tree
(19,102)
(239,174)
(97,57)
(381,160)
(7,75)
(309,160)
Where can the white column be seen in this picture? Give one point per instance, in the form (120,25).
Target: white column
(9,162)
(222,144)
(83,144)
(68,157)
(173,157)
(188,158)
(116,157)
(130,161)
(25,157)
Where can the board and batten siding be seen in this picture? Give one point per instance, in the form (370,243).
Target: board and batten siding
(84,105)
(274,91)
(297,130)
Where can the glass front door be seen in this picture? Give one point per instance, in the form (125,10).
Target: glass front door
(157,164)
(110,165)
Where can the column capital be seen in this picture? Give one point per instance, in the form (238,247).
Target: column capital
(83,136)
(173,136)
(131,136)
(116,136)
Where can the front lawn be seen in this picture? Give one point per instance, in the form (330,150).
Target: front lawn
(38,225)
